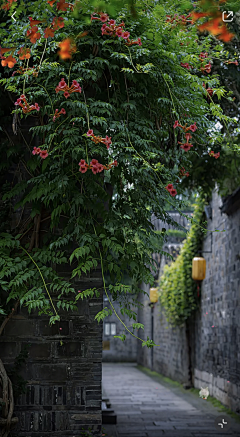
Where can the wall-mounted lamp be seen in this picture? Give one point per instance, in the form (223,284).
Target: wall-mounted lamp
(153,295)
(153,299)
(198,268)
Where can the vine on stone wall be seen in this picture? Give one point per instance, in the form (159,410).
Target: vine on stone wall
(177,290)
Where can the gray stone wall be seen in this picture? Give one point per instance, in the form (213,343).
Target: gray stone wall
(170,358)
(63,382)
(119,351)
(215,328)
(217,325)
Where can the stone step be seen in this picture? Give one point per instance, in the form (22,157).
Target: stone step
(109,419)
(108,415)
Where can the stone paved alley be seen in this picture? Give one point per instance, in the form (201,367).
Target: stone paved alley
(146,407)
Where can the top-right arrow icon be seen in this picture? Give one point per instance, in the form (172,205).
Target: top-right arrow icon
(227,16)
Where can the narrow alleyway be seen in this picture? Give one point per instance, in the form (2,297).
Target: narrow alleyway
(147,408)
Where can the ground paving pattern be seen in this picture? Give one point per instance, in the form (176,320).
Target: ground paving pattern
(147,408)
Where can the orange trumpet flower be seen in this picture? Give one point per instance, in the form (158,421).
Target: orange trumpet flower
(67,48)
(24,53)
(4,50)
(34,22)
(48,33)
(33,34)
(9,61)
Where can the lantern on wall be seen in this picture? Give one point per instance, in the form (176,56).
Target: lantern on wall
(198,268)
(153,295)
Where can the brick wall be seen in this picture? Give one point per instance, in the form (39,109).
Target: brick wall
(215,328)
(64,382)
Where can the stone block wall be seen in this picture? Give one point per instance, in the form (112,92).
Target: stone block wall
(215,328)
(217,325)
(63,382)
(170,358)
(119,351)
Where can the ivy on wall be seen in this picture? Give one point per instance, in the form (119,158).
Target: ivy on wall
(177,290)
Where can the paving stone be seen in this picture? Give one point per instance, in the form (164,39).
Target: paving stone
(160,425)
(212,435)
(132,435)
(154,415)
(169,433)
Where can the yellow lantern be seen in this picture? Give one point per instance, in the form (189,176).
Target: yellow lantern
(198,268)
(153,295)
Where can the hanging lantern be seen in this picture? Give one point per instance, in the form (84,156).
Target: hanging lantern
(153,295)
(198,268)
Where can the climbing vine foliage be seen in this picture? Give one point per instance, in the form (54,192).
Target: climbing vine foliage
(177,290)
(99,102)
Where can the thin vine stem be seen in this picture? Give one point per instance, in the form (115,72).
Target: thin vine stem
(43,53)
(24,82)
(87,113)
(48,96)
(132,61)
(105,289)
(45,286)
(57,129)
(69,73)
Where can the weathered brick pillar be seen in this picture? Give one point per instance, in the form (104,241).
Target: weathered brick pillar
(64,389)
(64,382)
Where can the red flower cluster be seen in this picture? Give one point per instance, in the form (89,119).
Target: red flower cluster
(171,189)
(37,151)
(8,5)
(215,155)
(112,29)
(179,19)
(62,86)
(56,24)
(33,33)
(186,146)
(209,91)
(24,53)
(95,166)
(61,5)
(186,65)
(206,68)
(58,114)
(182,172)
(25,105)
(97,139)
